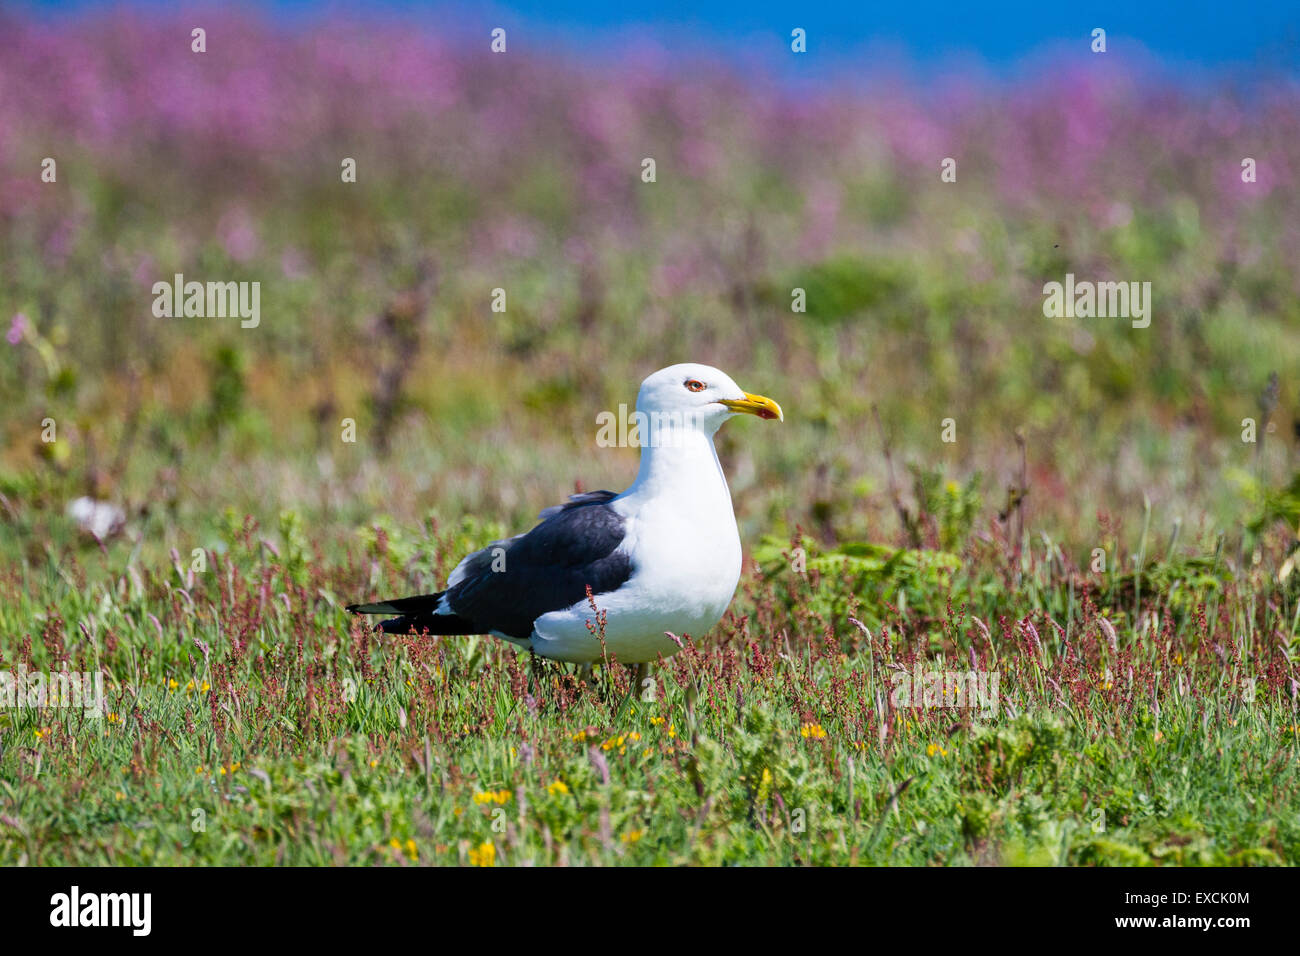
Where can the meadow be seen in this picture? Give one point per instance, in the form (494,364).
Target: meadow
(962,483)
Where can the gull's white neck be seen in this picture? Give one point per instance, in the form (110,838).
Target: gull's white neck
(686,470)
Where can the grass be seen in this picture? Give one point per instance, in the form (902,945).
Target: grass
(250,721)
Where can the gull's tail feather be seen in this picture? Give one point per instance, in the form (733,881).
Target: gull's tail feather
(425,612)
(420,604)
(378,607)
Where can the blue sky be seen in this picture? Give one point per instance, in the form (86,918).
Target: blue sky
(1190,37)
(1201,32)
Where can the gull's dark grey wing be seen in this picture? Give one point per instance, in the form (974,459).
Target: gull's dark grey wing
(510,584)
(585,498)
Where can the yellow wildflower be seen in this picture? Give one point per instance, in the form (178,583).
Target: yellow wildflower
(765,786)
(483,855)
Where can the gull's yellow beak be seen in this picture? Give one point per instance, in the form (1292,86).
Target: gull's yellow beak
(759,405)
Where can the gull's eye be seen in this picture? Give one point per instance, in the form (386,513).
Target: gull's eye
(695,385)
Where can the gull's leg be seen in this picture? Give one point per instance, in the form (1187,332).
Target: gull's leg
(637,673)
(584,672)
(534,674)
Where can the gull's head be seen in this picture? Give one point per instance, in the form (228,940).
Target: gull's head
(700,396)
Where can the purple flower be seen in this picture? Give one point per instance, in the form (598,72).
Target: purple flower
(238,234)
(16,329)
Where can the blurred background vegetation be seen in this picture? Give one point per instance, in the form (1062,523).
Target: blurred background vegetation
(523,172)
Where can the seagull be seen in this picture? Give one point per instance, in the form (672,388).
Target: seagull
(661,559)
